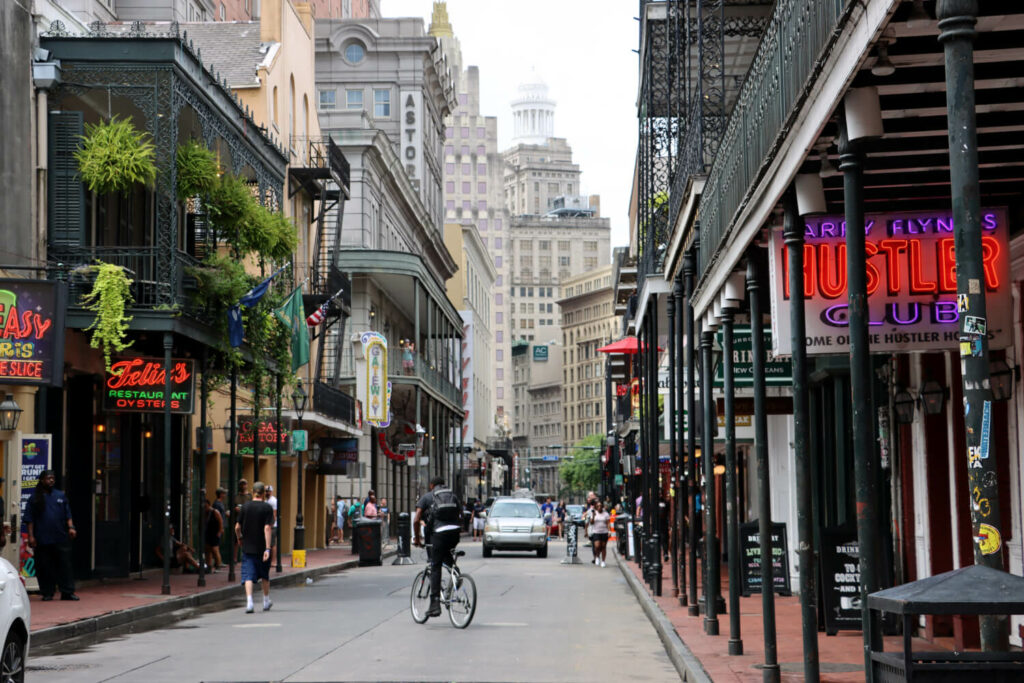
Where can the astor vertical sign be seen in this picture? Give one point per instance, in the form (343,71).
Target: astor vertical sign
(412,136)
(31,332)
(911,283)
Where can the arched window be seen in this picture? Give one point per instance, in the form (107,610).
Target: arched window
(305,116)
(273,107)
(291,110)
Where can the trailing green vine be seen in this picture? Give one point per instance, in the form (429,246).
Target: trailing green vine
(110,297)
(114,156)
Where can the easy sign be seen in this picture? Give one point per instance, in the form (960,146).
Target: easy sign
(911,283)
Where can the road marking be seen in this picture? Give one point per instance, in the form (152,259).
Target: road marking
(507,623)
(256,625)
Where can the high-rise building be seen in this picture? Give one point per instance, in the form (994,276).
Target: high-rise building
(588,323)
(473,179)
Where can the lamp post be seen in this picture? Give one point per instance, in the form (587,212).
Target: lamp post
(299,398)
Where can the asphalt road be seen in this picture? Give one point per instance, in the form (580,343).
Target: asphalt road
(537,620)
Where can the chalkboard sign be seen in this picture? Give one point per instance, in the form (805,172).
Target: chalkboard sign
(840,579)
(750,559)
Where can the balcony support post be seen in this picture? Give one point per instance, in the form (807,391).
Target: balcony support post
(165,588)
(277,467)
(232,473)
(678,400)
(690,467)
(654,442)
(793,233)
(203,392)
(770,670)
(851,161)
(711,554)
(956,23)
(731,502)
(671,408)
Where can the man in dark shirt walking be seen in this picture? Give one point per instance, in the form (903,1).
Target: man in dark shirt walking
(50,532)
(254,530)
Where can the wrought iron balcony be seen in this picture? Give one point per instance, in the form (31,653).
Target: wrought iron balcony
(427,370)
(798,33)
(334,403)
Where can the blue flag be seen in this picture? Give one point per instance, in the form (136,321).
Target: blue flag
(249,299)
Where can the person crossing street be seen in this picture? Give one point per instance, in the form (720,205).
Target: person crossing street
(254,530)
(439,509)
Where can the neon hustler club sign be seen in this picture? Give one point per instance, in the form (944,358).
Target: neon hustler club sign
(911,283)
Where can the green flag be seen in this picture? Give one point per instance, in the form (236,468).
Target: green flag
(291,314)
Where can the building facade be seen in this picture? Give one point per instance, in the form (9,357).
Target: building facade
(473,171)
(537,400)
(384,89)
(588,323)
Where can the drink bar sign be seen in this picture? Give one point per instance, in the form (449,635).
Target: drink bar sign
(750,559)
(911,283)
(136,385)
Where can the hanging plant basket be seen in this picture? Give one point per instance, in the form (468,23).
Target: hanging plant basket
(110,297)
(114,156)
(197,170)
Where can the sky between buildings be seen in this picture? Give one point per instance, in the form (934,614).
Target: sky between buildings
(583,49)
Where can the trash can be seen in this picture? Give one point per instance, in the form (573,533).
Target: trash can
(622,521)
(366,535)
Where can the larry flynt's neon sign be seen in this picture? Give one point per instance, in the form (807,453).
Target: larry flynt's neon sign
(911,282)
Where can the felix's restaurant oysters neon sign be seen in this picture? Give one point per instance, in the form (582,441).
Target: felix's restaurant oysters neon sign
(911,282)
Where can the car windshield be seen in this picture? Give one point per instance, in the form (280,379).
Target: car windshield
(508,508)
(574,509)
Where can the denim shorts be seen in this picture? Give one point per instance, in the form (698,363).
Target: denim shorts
(254,568)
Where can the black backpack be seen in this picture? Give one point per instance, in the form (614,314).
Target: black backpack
(445,508)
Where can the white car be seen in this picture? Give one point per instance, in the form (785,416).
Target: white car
(15,621)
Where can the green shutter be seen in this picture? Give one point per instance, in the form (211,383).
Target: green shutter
(66,192)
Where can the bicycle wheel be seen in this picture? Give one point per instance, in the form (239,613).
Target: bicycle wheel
(462,605)
(419,598)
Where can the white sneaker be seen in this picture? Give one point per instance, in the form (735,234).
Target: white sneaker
(267,604)
(602,563)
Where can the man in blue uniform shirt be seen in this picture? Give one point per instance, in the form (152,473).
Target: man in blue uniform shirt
(50,532)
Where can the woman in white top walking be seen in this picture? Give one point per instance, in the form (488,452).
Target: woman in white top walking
(599,519)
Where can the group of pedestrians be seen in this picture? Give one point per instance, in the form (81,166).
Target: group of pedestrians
(344,512)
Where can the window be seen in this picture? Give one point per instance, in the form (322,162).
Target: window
(499,355)
(564,245)
(544,245)
(449,169)
(481,169)
(526,245)
(497,262)
(354,52)
(463,98)
(552,188)
(481,188)
(465,188)
(481,132)
(522,291)
(589,262)
(464,131)
(498,282)
(590,245)
(464,150)
(466,169)
(500,374)
(449,187)
(497,245)
(563,261)
(382,104)
(481,205)
(222,11)
(465,205)
(449,150)
(481,151)
(482,225)
(328,99)
(499,317)
(450,204)
(499,336)
(499,299)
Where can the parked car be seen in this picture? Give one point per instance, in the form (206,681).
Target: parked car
(574,512)
(15,620)
(515,524)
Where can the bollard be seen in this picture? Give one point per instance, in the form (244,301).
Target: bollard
(572,555)
(404,539)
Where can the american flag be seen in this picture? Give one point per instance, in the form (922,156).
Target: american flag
(317,316)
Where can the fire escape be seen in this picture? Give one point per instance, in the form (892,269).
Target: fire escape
(324,173)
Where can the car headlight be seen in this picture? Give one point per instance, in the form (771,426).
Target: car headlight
(490,526)
(538,527)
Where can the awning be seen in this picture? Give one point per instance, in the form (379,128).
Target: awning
(627,345)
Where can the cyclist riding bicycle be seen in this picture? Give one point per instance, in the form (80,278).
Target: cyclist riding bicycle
(439,508)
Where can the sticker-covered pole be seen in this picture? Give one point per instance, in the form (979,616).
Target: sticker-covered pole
(956,25)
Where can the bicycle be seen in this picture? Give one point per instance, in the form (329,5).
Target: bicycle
(458,593)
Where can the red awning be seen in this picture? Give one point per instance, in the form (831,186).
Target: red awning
(626,345)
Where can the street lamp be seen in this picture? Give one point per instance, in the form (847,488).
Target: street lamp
(1002,380)
(10,413)
(299,398)
(933,398)
(904,403)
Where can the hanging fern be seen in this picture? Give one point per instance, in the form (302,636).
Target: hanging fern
(197,170)
(110,296)
(114,156)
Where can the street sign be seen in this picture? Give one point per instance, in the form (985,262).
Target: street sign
(550,458)
(776,372)
(299,439)
(540,352)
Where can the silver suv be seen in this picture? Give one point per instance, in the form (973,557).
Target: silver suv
(515,524)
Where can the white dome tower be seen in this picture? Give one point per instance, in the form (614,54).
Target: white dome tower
(533,113)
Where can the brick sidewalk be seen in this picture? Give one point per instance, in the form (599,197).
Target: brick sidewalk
(841,656)
(103,597)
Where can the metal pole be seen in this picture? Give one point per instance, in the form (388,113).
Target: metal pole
(203,390)
(793,233)
(850,162)
(770,670)
(165,588)
(256,398)
(707,340)
(232,484)
(671,408)
(299,535)
(732,524)
(679,454)
(277,467)
(652,398)
(689,268)
(956,23)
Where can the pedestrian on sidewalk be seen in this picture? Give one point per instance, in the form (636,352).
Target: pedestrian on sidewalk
(182,555)
(560,514)
(384,514)
(548,511)
(599,518)
(370,509)
(337,532)
(272,502)
(50,532)
(214,530)
(254,531)
(479,511)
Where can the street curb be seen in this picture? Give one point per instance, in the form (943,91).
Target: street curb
(688,666)
(92,630)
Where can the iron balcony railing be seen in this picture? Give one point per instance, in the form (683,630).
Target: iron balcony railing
(798,34)
(334,403)
(417,367)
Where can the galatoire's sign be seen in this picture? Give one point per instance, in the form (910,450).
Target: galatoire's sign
(911,283)
(136,385)
(31,332)
(375,389)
